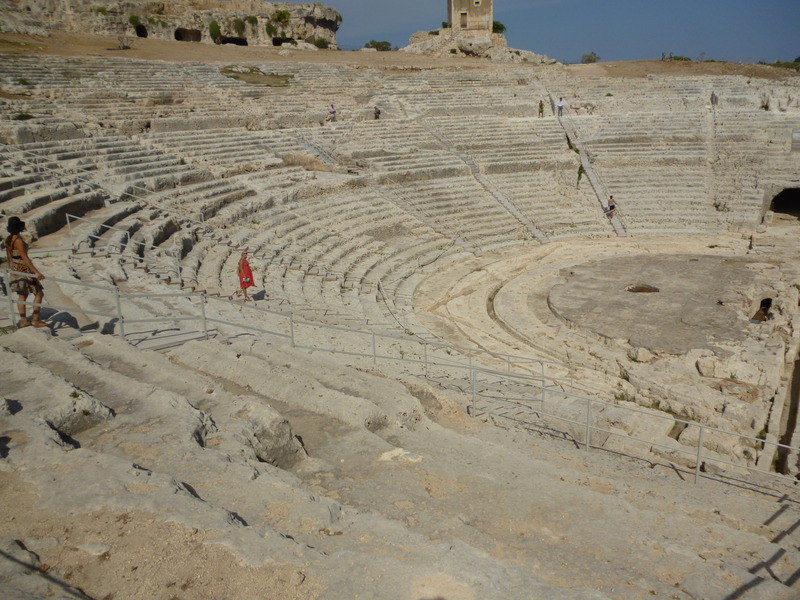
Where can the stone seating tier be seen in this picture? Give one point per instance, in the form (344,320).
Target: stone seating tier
(428,177)
(557,208)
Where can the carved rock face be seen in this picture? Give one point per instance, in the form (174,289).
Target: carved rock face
(180,20)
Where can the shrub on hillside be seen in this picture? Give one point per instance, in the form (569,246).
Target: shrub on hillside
(498,27)
(590,58)
(281,16)
(322,43)
(379,46)
(271,30)
(788,65)
(134,20)
(214,30)
(238,26)
(252,20)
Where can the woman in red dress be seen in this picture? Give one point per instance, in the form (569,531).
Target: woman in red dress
(245,277)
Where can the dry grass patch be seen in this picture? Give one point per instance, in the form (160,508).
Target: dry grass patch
(256,76)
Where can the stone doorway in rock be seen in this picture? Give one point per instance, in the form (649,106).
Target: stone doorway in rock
(787,203)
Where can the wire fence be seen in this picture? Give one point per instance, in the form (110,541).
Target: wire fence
(535,398)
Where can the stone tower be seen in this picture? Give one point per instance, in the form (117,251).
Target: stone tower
(472,15)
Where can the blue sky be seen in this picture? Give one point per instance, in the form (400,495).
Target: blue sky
(736,30)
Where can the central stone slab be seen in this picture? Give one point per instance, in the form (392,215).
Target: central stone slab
(667,303)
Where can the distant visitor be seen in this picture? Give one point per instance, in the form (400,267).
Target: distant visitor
(245,277)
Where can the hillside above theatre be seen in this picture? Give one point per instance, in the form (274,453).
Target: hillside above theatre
(239,22)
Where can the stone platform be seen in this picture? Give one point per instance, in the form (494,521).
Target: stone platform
(666,304)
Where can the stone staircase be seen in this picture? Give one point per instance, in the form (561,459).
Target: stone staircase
(184,439)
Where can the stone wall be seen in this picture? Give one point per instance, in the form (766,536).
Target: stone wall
(250,20)
(470,14)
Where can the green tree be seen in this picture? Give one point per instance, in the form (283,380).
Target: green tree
(379,46)
(238,26)
(281,16)
(498,27)
(590,58)
(213,30)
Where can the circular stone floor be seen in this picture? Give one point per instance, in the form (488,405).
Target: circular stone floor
(691,309)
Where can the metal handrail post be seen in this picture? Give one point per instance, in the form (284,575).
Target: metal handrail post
(374,349)
(69,230)
(121,316)
(203,311)
(10,299)
(588,422)
(474,378)
(699,455)
(291,328)
(425,357)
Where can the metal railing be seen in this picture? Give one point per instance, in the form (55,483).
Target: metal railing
(119,249)
(42,164)
(533,399)
(534,405)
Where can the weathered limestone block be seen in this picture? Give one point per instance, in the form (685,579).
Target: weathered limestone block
(753,362)
(642,355)
(509,55)
(42,133)
(721,443)
(270,435)
(475,46)
(76,413)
